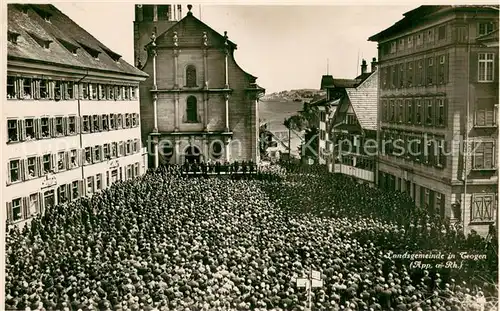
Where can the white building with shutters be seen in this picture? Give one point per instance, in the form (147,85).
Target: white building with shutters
(71,113)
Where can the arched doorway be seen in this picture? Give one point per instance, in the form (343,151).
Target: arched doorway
(192,154)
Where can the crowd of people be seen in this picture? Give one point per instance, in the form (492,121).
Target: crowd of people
(217,167)
(165,242)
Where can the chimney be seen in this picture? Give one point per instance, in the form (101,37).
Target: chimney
(374,64)
(363,66)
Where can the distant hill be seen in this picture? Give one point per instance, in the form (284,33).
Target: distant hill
(294,95)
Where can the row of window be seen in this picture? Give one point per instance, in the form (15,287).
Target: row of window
(430,200)
(94,183)
(50,127)
(431,71)
(27,207)
(40,88)
(38,166)
(417,147)
(416,111)
(420,72)
(482,208)
(430,36)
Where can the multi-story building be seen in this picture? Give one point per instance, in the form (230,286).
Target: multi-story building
(71,113)
(327,110)
(354,128)
(197,103)
(438,94)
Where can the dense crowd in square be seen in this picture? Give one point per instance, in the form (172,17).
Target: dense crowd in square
(166,242)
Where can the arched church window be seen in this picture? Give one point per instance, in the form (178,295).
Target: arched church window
(190,76)
(192,109)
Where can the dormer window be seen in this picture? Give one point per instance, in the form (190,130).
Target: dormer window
(43,13)
(45,43)
(23,8)
(92,51)
(115,56)
(12,37)
(69,46)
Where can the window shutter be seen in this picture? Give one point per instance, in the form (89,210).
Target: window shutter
(21,130)
(8,173)
(23,169)
(80,90)
(80,123)
(9,211)
(81,188)
(39,206)
(51,85)
(445,119)
(17,87)
(53,158)
(36,128)
(35,89)
(39,166)
(65,126)
(69,193)
(52,128)
(25,207)
(77,125)
(66,160)
(435,73)
(443,155)
(62,89)
(90,88)
(81,157)
(99,118)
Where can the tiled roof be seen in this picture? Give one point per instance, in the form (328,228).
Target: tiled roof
(345,83)
(363,76)
(364,102)
(64,36)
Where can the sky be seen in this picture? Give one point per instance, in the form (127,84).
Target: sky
(285,46)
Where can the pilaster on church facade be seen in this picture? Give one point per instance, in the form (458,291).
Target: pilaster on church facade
(203,105)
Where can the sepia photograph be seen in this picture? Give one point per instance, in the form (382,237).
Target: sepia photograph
(227,157)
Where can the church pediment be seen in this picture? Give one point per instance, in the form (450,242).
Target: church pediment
(191,32)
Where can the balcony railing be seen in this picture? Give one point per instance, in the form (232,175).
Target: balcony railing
(355,172)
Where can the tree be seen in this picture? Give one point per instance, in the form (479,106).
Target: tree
(305,120)
(263,140)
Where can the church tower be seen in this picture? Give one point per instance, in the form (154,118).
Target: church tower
(151,18)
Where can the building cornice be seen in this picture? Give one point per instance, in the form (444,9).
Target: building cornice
(43,68)
(192,133)
(189,90)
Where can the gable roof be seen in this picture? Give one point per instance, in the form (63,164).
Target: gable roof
(363,100)
(63,36)
(185,28)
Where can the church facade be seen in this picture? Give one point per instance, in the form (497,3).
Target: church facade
(197,104)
